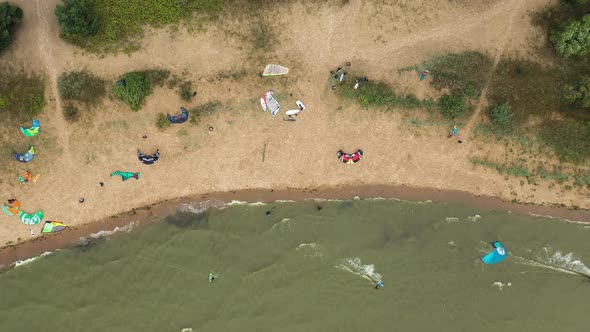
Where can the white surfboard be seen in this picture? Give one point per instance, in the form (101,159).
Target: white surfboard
(292,112)
(263,104)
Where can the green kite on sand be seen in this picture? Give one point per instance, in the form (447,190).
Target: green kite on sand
(126,175)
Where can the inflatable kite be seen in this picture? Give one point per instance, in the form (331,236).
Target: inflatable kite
(274,70)
(53,227)
(25,157)
(31,219)
(495,256)
(33,130)
(126,175)
(12,209)
(269,103)
(350,158)
(148,160)
(180,118)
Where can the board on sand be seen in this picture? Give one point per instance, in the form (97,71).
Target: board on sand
(292,112)
(300,105)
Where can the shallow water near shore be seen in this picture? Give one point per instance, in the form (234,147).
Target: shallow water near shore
(311,266)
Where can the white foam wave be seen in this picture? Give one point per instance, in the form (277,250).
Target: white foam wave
(355,266)
(203,206)
(501,285)
(282,226)
(311,249)
(474,218)
(557,261)
(127,228)
(283,201)
(452,219)
(32,259)
(452,243)
(579,222)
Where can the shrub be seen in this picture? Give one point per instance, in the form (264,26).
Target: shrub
(162,121)
(501,115)
(81,86)
(132,88)
(71,113)
(186,91)
(77,18)
(573,38)
(10,15)
(578,93)
(451,106)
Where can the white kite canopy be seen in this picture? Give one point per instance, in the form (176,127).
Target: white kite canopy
(274,70)
(271,103)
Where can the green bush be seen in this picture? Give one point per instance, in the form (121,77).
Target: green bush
(10,15)
(451,106)
(573,38)
(162,121)
(379,93)
(133,88)
(186,91)
(578,93)
(81,86)
(71,113)
(77,18)
(501,115)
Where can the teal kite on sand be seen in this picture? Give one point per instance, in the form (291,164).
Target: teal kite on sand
(126,175)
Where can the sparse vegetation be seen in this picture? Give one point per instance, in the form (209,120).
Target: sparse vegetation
(77,18)
(463,74)
(197,113)
(186,91)
(162,121)
(501,115)
(134,87)
(81,86)
(10,16)
(514,169)
(22,95)
(71,113)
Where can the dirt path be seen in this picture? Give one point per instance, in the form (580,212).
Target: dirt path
(44,38)
(515,10)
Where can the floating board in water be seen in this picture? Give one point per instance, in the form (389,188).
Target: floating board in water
(300,105)
(292,112)
(263,104)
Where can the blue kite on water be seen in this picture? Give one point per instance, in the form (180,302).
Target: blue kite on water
(495,256)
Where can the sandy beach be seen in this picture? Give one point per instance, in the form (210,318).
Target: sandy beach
(251,156)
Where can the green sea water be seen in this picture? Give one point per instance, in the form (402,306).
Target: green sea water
(312,266)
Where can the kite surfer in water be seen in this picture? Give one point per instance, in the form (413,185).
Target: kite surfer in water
(379,285)
(211,277)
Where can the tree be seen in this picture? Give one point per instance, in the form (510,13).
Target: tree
(10,15)
(578,93)
(573,38)
(77,18)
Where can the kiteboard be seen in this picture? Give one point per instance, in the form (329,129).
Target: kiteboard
(300,105)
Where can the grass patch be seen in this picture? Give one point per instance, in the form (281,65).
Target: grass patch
(462,74)
(569,139)
(162,121)
(381,94)
(514,169)
(121,23)
(582,179)
(22,95)
(556,175)
(134,87)
(81,86)
(451,106)
(199,112)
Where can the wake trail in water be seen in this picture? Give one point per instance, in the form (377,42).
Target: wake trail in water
(556,261)
(355,266)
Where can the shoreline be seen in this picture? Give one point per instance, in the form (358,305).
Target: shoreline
(146,215)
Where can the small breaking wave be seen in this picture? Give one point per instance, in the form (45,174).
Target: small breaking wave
(474,218)
(203,206)
(311,249)
(578,222)
(282,226)
(355,266)
(32,259)
(452,219)
(84,240)
(501,285)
